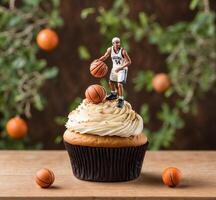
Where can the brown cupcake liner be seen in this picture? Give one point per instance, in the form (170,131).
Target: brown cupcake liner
(103,164)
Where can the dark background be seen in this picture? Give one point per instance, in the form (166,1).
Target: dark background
(74,77)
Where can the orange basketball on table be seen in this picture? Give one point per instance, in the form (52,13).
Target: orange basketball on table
(171,176)
(47,39)
(95,93)
(98,69)
(16,128)
(44,178)
(161,82)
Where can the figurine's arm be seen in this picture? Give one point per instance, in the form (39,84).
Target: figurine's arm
(127,59)
(106,55)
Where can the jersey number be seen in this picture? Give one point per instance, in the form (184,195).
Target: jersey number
(118,62)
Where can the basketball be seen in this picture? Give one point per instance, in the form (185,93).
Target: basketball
(171,176)
(16,127)
(98,69)
(161,82)
(47,39)
(44,178)
(95,93)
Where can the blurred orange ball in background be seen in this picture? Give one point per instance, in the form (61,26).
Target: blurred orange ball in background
(161,82)
(47,39)
(44,178)
(16,128)
(171,176)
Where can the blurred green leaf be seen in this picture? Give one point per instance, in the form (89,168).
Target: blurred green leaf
(86,12)
(170,116)
(38,102)
(60,120)
(54,19)
(15,21)
(56,3)
(50,73)
(143,80)
(84,53)
(144,112)
(193,4)
(32,3)
(19,62)
(75,103)
(138,34)
(143,20)
(58,139)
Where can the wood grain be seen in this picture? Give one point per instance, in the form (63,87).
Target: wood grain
(17,170)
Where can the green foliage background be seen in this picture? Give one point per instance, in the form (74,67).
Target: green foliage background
(22,73)
(190,60)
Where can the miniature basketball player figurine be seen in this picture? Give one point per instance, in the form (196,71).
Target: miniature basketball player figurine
(118,75)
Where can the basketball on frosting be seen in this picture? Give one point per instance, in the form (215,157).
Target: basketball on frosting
(95,93)
(98,69)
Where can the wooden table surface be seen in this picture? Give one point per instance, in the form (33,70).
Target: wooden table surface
(17,170)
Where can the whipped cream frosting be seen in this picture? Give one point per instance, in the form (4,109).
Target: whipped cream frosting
(105,119)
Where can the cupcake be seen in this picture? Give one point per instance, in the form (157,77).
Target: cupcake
(105,143)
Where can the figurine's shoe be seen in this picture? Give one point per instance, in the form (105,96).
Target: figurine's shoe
(120,103)
(112,96)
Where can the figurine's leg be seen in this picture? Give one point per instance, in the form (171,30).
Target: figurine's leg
(112,84)
(122,76)
(120,90)
(120,102)
(113,95)
(116,86)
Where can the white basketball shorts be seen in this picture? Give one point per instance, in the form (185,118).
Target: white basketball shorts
(119,77)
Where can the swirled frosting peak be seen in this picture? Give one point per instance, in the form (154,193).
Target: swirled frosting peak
(105,119)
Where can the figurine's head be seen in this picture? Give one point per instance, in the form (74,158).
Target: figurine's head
(116,42)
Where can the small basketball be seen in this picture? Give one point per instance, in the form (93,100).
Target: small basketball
(98,69)
(47,39)
(16,127)
(171,176)
(44,178)
(95,93)
(161,82)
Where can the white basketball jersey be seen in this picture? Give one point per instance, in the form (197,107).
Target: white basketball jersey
(117,58)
